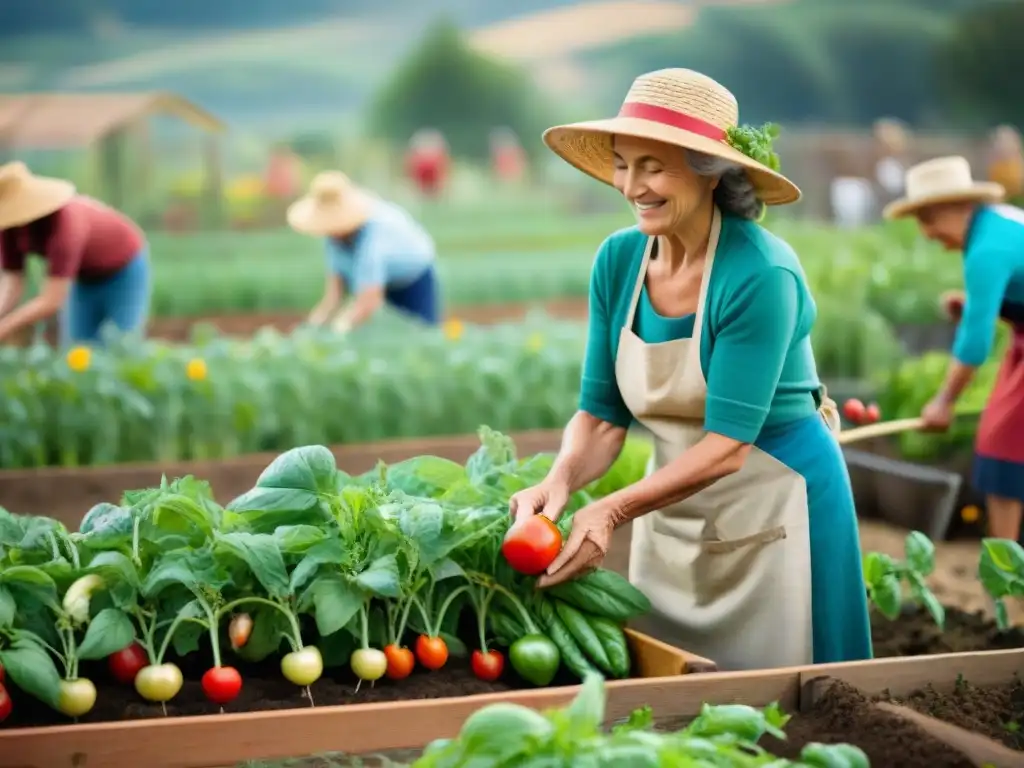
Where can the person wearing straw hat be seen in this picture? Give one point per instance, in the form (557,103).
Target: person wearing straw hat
(967,215)
(98,270)
(375,249)
(744,534)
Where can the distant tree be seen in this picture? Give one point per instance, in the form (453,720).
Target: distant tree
(447,85)
(982,62)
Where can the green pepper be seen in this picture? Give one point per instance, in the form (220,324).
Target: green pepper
(571,653)
(614,641)
(535,658)
(583,634)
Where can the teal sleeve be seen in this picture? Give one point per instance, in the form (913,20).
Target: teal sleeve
(599,391)
(748,353)
(986,275)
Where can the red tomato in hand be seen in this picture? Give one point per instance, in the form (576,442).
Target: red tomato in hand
(853,409)
(872,414)
(222,684)
(487,666)
(400,662)
(431,652)
(531,545)
(126,663)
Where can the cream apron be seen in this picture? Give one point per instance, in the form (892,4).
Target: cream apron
(728,570)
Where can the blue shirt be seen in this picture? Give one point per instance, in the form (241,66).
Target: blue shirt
(993,273)
(391,250)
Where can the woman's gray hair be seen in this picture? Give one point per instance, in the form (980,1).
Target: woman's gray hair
(735,194)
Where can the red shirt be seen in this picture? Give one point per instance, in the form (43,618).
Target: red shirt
(85,239)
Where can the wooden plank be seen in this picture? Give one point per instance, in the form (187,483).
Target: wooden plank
(901,676)
(218,740)
(981,750)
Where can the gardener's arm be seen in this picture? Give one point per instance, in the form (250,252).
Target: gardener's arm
(986,276)
(749,351)
(369,278)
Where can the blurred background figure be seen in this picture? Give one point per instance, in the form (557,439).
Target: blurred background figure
(851,196)
(508,159)
(97,260)
(375,250)
(891,138)
(428,161)
(1006,162)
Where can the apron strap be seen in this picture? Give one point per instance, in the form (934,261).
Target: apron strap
(651,241)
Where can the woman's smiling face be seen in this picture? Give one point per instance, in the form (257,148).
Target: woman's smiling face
(662,188)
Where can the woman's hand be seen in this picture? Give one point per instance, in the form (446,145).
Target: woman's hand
(588,543)
(937,415)
(547,498)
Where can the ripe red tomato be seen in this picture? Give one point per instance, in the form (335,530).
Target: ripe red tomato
(487,666)
(222,684)
(6,705)
(532,544)
(2,675)
(431,652)
(125,664)
(853,409)
(872,413)
(400,662)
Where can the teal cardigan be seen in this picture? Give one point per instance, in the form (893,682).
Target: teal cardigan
(755,350)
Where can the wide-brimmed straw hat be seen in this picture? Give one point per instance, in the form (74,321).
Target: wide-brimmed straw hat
(673,106)
(333,206)
(942,180)
(25,198)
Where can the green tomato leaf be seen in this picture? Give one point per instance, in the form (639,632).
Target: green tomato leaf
(335,601)
(887,595)
(266,509)
(382,577)
(876,566)
(109,632)
(119,575)
(327,551)
(178,513)
(297,539)
(586,712)
(260,553)
(8,608)
(308,468)
(33,671)
(920,553)
(107,526)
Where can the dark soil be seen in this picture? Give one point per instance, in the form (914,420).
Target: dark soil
(845,715)
(915,633)
(996,712)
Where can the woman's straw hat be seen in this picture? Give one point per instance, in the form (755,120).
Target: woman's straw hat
(25,198)
(942,180)
(673,106)
(334,206)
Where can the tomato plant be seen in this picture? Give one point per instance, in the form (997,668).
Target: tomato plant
(531,545)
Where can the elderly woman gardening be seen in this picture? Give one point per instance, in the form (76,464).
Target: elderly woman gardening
(97,260)
(962,214)
(744,532)
(375,249)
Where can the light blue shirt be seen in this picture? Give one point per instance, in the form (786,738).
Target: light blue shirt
(993,273)
(392,250)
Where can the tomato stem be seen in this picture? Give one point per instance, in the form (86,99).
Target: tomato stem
(213,625)
(178,620)
(435,631)
(481,618)
(364,626)
(403,622)
(528,623)
(136,527)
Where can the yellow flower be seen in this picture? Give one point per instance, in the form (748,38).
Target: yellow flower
(196,369)
(78,358)
(535,341)
(453,329)
(970,514)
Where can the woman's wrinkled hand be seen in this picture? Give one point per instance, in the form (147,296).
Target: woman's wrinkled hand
(937,416)
(548,499)
(588,543)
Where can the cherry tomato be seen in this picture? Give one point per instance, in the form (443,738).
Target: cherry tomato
(487,666)
(125,664)
(2,675)
(400,662)
(239,630)
(431,652)
(532,544)
(872,413)
(853,409)
(222,684)
(6,705)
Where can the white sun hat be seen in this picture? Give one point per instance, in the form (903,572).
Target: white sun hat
(25,198)
(673,106)
(333,206)
(942,180)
